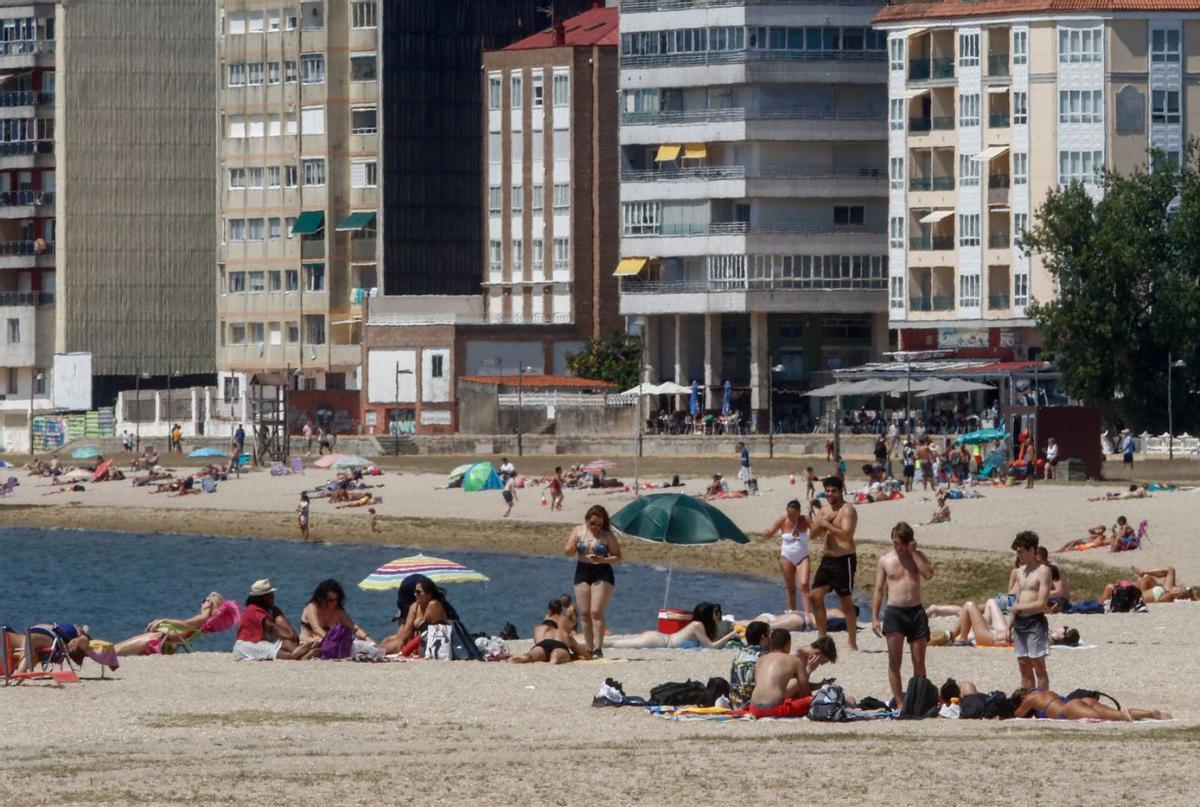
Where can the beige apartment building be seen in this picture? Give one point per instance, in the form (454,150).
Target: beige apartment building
(992,105)
(298,114)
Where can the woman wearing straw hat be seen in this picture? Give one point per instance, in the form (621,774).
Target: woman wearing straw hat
(264,633)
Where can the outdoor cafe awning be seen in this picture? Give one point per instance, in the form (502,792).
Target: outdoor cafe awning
(935,216)
(309,222)
(630,267)
(357,221)
(667,152)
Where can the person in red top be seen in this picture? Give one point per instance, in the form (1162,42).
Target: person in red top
(556,490)
(264,633)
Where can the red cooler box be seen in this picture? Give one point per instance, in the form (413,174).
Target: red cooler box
(673,620)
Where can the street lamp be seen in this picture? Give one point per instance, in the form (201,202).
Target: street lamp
(771,371)
(170,374)
(33,382)
(521,371)
(395,429)
(137,403)
(1171,365)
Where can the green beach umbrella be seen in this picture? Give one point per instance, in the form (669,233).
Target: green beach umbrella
(981,436)
(676,519)
(481,476)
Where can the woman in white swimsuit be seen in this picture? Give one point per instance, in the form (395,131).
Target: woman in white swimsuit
(793,553)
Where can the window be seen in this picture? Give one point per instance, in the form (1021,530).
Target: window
(237,23)
(273,176)
(896,232)
(254,229)
(495,257)
(291,277)
(274,75)
(274,126)
(1020,224)
(641,218)
(562,254)
(968,170)
(289,72)
(312,120)
(494,97)
(896,53)
(968,229)
(538,91)
(39,382)
(237,229)
(312,68)
(1020,47)
(968,50)
(897,292)
(562,196)
(255,22)
(364,173)
(437,366)
(254,74)
(363,14)
(1020,168)
(314,171)
(291,176)
(968,109)
(256,281)
(237,178)
(1079,166)
(1164,106)
(1020,107)
(514,100)
(254,178)
(289,19)
(255,126)
(237,333)
(273,20)
(237,127)
(1021,289)
(237,75)
(562,89)
(363,121)
(1080,106)
(274,229)
(254,334)
(518,255)
(1079,44)
(896,166)
(293,333)
(897,114)
(1164,45)
(968,291)
(495,199)
(14,331)
(539,255)
(237,282)
(276,336)
(314,329)
(847,215)
(362,67)
(274,281)
(518,198)
(314,277)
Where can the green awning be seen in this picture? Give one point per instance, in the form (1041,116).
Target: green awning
(309,222)
(357,221)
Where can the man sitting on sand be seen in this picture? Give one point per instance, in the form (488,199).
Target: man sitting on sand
(781,685)
(755,645)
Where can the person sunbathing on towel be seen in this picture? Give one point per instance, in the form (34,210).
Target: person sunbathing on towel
(164,635)
(1134,492)
(781,685)
(702,631)
(988,627)
(1157,585)
(554,641)
(1121,531)
(365,500)
(1044,703)
(799,622)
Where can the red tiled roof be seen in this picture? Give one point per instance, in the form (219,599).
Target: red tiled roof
(540,381)
(596,26)
(949,9)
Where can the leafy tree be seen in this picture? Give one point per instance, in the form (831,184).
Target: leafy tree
(1126,270)
(614,358)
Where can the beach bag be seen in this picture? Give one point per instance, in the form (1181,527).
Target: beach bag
(437,642)
(1086,607)
(920,699)
(337,643)
(981,705)
(688,693)
(1125,597)
(828,705)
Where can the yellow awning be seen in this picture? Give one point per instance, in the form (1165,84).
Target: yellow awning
(631,267)
(667,152)
(695,151)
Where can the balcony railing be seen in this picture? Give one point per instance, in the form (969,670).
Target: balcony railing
(26,298)
(37,247)
(998,180)
(769,281)
(741,114)
(998,64)
(25,98)
(23,47)
(933,303)
(926,243)
(24,198)
(8,149)
(780,228)
(741,56)
(680,5)
(999,241)
(711,172)
(930,69)
(997,302)
(998,120)
(938,123)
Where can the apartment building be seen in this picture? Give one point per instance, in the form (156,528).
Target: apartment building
(549,193)
(106,202)
(753,192)
(991,106)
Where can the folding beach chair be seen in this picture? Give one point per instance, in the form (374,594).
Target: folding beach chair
(297,465)
(1143,534)
(8,666)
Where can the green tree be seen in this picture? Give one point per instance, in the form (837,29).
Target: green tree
(1125,271)
(614,358)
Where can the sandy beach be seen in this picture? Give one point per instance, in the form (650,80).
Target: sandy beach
(201,728)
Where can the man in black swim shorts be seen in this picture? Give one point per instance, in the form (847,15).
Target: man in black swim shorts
(834,522)
(899,574)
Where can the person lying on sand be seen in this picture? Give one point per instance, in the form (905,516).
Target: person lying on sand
(987,627)
(554,641)
(1047,704)
(1134,492)
(364,500)
(797,621)
(1097,537)
(1157,585)
(166,634)
(702,631)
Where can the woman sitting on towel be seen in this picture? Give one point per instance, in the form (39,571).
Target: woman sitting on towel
(428,608)
(326,608)
(700,632)
(166,634)
(1043,703)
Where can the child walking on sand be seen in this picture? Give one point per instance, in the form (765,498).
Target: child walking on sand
(374,519)
(509,493)
(302,515)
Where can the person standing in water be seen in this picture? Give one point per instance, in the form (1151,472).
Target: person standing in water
(793,555)
(835,521)
(302,515)
(596,549)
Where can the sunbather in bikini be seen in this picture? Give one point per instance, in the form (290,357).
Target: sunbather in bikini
(700,632)
(1044,703)
(554,641)
(365,500)
(1157,585)
(43,636)
(988,627)
(794,622)
(165,635)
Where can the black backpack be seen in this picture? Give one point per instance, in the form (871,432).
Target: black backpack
(716,688)
(920,700)
(689,693)
(828,705)
(1125,598)
(982,705)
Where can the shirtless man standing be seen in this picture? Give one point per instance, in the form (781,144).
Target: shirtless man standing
(835,521)
(900,574)
(925,464)
(1028,629)
(781,686)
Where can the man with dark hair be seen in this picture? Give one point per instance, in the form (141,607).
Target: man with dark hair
(835,520)
(778,679)
(899,574)
(1027,627)
(741,673)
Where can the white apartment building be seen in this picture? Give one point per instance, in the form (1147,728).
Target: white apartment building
(753,192)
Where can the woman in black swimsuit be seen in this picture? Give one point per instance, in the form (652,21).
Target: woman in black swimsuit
(596,548)
(553,640)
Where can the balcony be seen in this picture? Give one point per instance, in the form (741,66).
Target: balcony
(26,198)
(926,243)
(24,53)
(939,123)
(999,241)
(931,303)
(705,58)
(717,172)
(23,153)
(738,114)
(25,98)
(26,298)
(998,181)
(998,65)
(998,302)
(930,69)
(998,120)
(945,183)
(312,248)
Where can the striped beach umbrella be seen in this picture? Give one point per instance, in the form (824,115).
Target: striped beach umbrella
(391,575)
